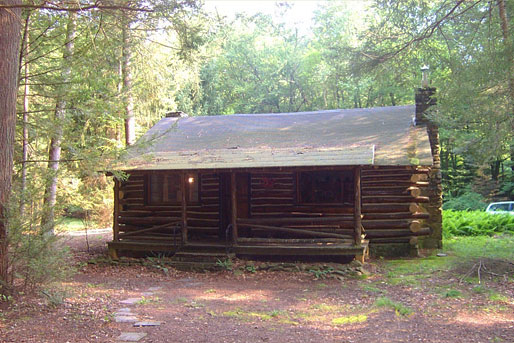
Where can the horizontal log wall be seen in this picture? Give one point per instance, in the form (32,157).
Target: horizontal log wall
(273,201)
(134,215)
(392,204)
(392,207)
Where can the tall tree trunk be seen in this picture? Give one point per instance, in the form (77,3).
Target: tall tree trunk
(495,170)
(54,154)
(507,41)
(10,26)
(26,92)
(126,71)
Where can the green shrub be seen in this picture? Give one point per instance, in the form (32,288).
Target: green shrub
(476,223)
(469,201)
(398,307)
(36,257)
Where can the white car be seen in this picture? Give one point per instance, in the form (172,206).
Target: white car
(504,207)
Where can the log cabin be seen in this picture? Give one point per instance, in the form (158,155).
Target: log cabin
(321,183)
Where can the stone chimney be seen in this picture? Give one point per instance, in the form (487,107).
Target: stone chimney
(424,100)
(176,114)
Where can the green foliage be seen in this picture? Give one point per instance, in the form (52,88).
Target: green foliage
(36,257)
(399,308)
(159,262)
(321,273)
(225,264)
(476,223)
(250,268)
(453,293)
(498,247)
(349,319)
(54,298)
(469,201)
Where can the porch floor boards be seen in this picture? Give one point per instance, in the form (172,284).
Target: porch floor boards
(321,249)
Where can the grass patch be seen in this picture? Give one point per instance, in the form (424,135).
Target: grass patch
(481,247)
(497,297)
(350,319)
(327,308)
(66,224)
(372,289)
(453,293)
(398,307)
(275,315)
(181,300)
(480,290)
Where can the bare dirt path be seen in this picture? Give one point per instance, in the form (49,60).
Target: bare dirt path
(260,306)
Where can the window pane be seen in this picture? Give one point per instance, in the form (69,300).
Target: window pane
(321,187)
(156,188)
(326,187)
(500,207)
(192,183)
(173,188)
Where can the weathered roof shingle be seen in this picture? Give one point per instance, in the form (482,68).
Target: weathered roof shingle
(373,136)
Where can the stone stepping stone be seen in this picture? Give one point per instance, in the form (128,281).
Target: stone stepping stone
(153,289)
(124,310)
(130,301)
(147,294)
(126,319)
(131,336)
(147,323)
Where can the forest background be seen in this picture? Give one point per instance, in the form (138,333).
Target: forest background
(92,81)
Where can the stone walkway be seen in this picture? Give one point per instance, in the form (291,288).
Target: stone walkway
(125,316)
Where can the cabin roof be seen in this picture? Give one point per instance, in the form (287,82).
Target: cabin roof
(371,136)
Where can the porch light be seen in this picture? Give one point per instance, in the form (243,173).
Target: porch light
(191,179)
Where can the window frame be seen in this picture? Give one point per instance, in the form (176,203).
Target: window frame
(341,203)
(148,189)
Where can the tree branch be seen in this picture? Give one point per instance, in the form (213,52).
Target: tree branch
(88,7)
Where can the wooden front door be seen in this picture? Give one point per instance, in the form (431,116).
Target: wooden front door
(243,203)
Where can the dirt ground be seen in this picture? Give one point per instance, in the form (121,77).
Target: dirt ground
(262,306)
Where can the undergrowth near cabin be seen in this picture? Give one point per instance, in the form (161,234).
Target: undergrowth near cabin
(476,223)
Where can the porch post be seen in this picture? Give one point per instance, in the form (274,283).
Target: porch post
(183,189)
(357,212)
(115,226)
(233,198)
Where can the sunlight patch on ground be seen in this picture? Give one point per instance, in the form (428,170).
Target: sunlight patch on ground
(257,295)
(481,319)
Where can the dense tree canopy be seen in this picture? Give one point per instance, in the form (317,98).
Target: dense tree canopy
(93,73)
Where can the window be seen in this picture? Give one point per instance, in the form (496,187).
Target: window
(165,188)
(325,187)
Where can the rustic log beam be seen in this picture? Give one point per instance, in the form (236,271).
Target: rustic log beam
(394,199)
(397,215)
(414,191)
(115,224)
(146,220)
(391,224)
(392,183)
(294,240)
(357,203)
(396,233)
(297,231)
(295,220)
(411,190)
(183,189)
(157,227)
(233,200)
